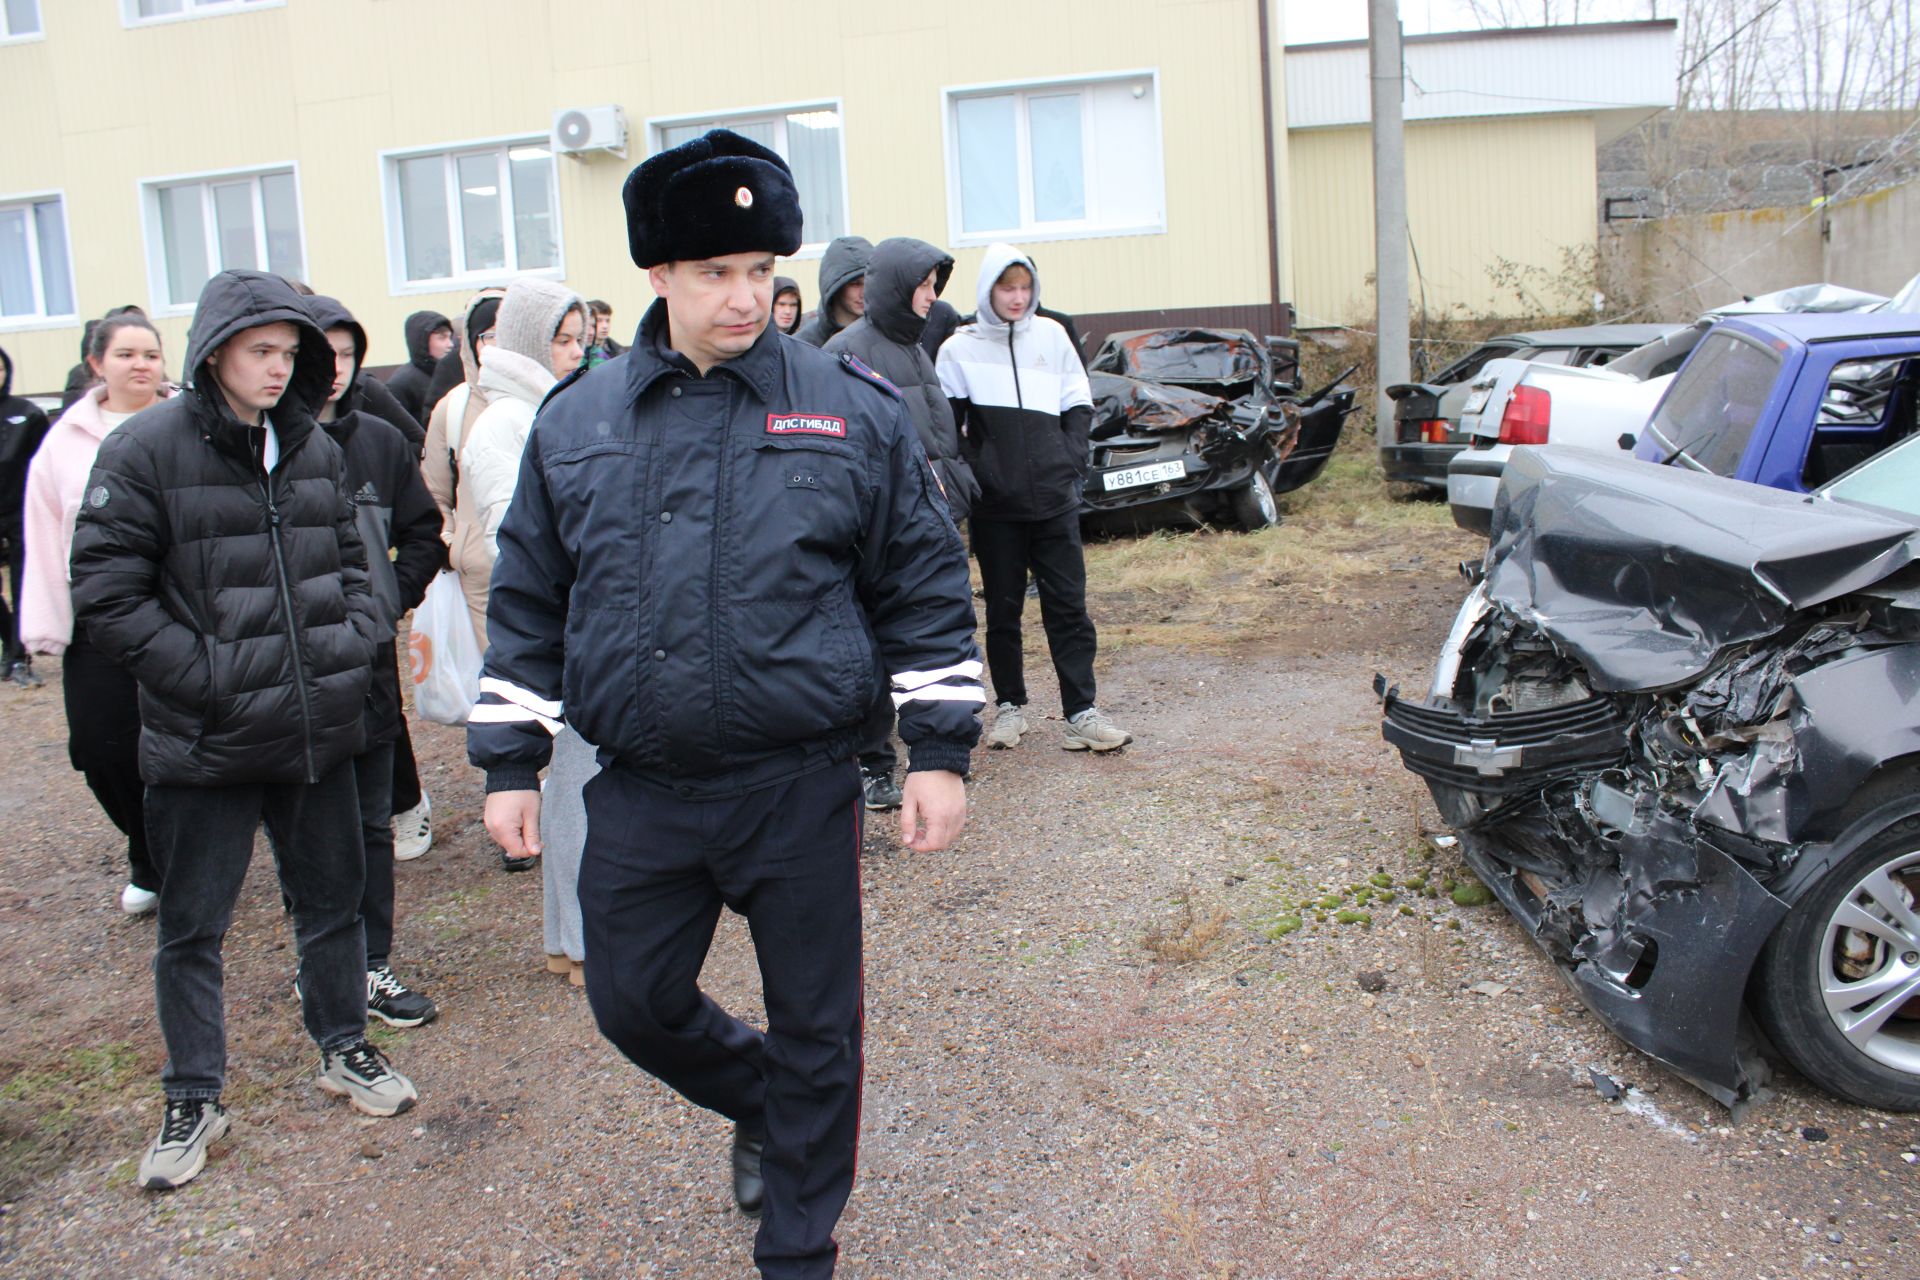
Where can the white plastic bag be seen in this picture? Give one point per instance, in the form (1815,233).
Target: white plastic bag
(446,656)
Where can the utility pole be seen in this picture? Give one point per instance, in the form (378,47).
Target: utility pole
(1391,303)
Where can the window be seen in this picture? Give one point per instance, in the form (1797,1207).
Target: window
(1048,161)
(224,222)
(140,13)
(36,272)
(471,214)
(808,138)
(19,19)
(1710,411)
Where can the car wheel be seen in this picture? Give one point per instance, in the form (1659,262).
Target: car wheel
(1838,986)
(1254,506)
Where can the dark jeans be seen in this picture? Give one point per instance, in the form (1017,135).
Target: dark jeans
(11,650)
(1006,550)
(406,771)
(103,742)
(876,735)
(373,778)
(656,871)
(202,841)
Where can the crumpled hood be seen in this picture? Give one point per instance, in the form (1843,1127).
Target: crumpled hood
(898,267)
(237,300)
(787,284)
(331,313)
(999,258)
(1645,574)
(420,327)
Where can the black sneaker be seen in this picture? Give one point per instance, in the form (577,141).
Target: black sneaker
(881,791)
(23,674)
(394,1002)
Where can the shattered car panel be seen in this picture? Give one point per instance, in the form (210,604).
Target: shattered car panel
(1650,721)
(1193,425)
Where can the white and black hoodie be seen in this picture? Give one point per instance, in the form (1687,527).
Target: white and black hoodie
(1021,397)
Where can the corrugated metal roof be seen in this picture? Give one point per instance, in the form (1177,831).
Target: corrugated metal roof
(1621,70)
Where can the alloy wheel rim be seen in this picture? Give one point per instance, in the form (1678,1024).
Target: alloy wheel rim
(1869,963)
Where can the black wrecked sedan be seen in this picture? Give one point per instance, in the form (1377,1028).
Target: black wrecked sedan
(1203,426)
(1677,728)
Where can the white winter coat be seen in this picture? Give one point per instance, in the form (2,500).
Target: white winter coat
(490,456)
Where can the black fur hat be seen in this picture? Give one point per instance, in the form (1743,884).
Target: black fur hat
(719,194)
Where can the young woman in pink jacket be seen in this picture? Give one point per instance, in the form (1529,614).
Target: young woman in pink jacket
(102,701)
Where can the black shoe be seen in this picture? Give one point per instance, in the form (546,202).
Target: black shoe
(748,1189)
(394,1002)
(22,674)
(881,791)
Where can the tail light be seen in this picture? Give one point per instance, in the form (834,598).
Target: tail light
(1529,410)
(1430,430)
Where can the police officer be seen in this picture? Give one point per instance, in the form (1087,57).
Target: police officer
(709,539)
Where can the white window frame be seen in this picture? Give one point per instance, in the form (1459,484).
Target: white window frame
(154,234)
(193,11)
(9,36)
(42,320)
(398,285)
(775,113)
(1088,228)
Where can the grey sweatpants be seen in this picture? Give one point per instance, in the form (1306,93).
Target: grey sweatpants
(563,834)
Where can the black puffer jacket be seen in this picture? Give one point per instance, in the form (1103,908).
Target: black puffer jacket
(844,262)
(410,381)
(696,573)
(238,599)
(887,340)
(23,425)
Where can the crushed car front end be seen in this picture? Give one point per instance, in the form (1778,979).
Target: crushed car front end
(1675,708)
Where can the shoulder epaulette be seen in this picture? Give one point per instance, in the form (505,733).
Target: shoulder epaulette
(853,365)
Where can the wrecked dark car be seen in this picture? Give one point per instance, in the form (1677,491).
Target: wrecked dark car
(1676,726)
(1203,426)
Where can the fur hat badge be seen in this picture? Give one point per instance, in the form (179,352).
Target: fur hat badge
(718,194)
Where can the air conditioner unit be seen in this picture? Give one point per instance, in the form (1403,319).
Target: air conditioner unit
(578,130)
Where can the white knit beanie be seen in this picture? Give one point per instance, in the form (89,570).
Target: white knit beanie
(532,313)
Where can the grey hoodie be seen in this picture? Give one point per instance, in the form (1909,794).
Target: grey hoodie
(844,262)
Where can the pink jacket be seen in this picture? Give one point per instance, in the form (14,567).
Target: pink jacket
(56,483)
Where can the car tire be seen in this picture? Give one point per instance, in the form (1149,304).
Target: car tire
(1873,1066)
(1254,505)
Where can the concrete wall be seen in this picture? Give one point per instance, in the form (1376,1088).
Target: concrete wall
(329,84)
(1876,240)
(1478,191)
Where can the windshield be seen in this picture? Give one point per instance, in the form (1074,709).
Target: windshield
(1710,410)
(1890,479)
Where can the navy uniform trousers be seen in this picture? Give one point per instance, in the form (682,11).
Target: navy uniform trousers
(655,872)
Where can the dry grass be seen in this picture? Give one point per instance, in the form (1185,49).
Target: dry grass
(1189,936)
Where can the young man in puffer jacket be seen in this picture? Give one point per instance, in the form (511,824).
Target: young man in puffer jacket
(1021,397)
(429,336)
(215,558)
(400,526)
(23,425)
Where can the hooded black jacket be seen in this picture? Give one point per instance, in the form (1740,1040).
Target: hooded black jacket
(696,572)
(844,262)
(786,284)
(238,599)
(22,427)
(410,381)
(396,519)
(887,340)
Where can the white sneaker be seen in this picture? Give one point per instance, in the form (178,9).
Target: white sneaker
(1092,731)
(362,1075)
(136,901)
(1009,724)
(413,831)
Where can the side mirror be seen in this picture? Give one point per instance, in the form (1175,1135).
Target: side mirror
(1627,440)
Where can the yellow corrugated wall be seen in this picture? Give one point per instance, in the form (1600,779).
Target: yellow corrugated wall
(1477,191)
(95,108)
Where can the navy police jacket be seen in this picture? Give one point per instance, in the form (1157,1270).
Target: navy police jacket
(707,577)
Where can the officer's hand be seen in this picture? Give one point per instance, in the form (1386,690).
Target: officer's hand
(513,820)
(933,808)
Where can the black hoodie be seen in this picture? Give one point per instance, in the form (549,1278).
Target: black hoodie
(410,381)
(887,340)
(785,284)
(395,516)
(236,597)
(22,427)
(844,262)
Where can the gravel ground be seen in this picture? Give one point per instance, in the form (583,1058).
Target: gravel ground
(1094,1045)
